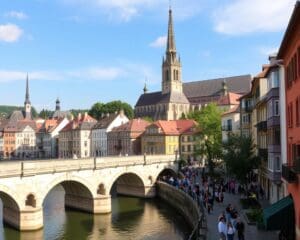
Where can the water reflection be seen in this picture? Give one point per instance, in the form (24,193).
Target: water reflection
(131,218)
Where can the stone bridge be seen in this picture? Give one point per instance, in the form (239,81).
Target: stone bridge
(88,183)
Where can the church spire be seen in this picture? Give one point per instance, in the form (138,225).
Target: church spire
(27,100)
(171,48)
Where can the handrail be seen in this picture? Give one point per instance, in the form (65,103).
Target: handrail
(34,167)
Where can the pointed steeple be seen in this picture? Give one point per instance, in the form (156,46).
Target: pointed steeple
(171,47)
(57,106)
(27,100)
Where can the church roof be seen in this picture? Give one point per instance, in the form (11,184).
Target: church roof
(237,84)
(157,97)
(61,114)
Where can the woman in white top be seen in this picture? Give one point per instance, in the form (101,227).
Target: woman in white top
(230,231)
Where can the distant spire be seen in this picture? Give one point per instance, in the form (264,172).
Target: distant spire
(171,37)
(145,89)
(224,87)
(27,100)
(57,107)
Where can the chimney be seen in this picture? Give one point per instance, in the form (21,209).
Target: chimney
(121,112)
(72,117)
(272,58)
(107,114)
(85,115)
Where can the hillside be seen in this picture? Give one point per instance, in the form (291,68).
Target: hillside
(5,111)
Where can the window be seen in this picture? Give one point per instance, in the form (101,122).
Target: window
(277,164)
(229,124)
(276,108)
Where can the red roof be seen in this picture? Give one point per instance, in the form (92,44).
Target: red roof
(134,125)
(229,99)
(235,109)
(175,127)
(82,122)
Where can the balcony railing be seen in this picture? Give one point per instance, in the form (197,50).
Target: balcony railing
(262,126)
(289,173)
(227,128)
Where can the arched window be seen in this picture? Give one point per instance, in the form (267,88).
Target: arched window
(30,201)
(167,75)
(101,189)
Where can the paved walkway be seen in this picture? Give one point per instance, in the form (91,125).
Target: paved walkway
(251,231)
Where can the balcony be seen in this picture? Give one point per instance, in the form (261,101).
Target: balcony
(274,176)
(263,153)
(227,128)
(262,126)
(289,173)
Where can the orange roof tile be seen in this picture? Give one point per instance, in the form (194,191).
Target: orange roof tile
(229,99)
(175,127)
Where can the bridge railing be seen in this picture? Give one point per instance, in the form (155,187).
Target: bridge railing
(33,167)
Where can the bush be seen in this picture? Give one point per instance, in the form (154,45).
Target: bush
(255,215)
(250,203)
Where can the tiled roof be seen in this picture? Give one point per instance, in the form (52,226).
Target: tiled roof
(174,127)
(236,84)
(235,109)
(105,121)
(84,122)
(134,125)
(212,87)
(229,99)
(61,114)
(158,97)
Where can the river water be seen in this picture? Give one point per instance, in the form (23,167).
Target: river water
(131,219)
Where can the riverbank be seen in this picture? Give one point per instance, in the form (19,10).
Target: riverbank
(186,206)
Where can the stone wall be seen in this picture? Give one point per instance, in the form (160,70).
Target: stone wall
(179,200)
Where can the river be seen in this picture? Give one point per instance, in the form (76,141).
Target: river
(131,219)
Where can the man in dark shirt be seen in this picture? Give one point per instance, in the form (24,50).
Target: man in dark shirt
(240,227)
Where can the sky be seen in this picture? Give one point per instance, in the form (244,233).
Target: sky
(88,51)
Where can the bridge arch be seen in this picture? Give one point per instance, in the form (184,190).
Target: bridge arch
(79,193)
(11,206)
(166,172)
(128,183)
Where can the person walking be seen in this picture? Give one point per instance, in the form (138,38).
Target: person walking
(240,227)
(222,228)
(230,231)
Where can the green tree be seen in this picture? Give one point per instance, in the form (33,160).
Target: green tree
(111,107)
(45,114)
(239,157)
(209,124)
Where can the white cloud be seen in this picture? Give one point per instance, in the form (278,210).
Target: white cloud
(16,14)
(10,33)
(266,51)
(244,16)
(159,42)
(89,73)
(125,10)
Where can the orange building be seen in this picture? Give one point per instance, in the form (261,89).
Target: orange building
(289,52)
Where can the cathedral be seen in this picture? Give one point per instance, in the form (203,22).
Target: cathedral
(177,98)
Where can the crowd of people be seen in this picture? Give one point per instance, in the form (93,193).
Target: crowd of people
(206,192)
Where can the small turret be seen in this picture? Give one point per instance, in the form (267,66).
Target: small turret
(57,105)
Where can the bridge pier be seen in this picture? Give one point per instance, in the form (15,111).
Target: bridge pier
(28,219)
(150,191)
(101,204)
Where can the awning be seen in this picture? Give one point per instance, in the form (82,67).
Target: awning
(277,213)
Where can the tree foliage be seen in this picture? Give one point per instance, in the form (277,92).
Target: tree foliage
(111,107)
(239,156)
(6,111)
(209,123)
(45,114)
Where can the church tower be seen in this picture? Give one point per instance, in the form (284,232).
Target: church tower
(57,105)
(171,66)
(27,103)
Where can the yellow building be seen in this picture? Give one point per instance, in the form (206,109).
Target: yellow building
(163,137)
